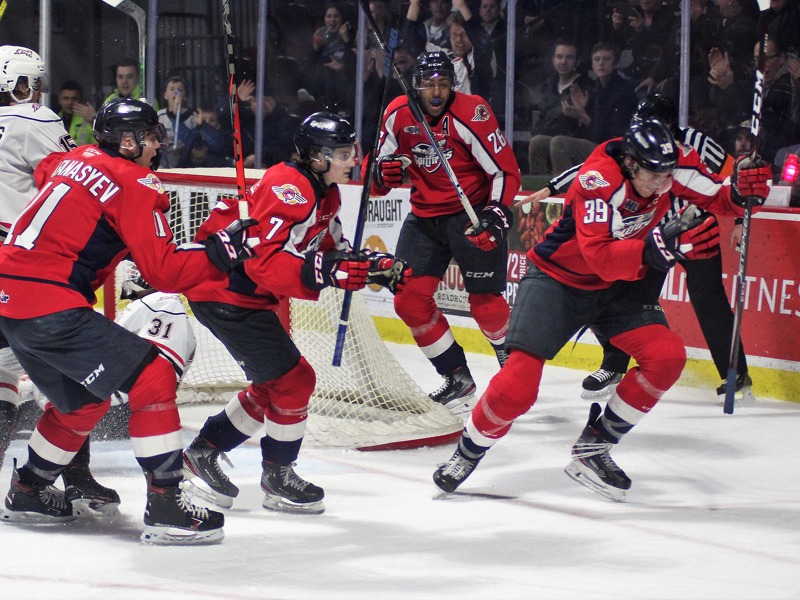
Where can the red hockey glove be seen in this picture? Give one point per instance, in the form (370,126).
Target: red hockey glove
(690,235)
(750,178)
(387,271)
(346,270)
(495,220)
(228,247)
(389,170)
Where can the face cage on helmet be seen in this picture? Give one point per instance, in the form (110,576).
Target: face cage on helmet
(40,84)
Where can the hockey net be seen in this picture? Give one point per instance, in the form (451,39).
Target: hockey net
(369,402)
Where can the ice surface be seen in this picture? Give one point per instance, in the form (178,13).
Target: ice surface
(714,513)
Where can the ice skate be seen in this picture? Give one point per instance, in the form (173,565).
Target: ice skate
(457,390)
(204,478)
(592,465)
(744,391)
(288,492)
(451,474)
(170,519)
(35,504)
(88,498)
(502,355)
(600,384)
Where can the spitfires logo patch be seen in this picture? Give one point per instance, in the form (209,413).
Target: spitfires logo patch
(591,180)
(426,158)
(289,194)
(152,182)
(481,113)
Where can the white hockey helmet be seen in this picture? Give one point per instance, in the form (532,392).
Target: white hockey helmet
(17,62)
(132,283)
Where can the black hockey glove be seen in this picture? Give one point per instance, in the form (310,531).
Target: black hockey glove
(749,178)
(387,271)
(346,270)
(389,170)
(688,236)
(496,220)
(228,247)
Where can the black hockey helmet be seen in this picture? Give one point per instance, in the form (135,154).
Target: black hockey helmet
(650,144)
(430,64)
(321,133)
(121,116)
(659,107)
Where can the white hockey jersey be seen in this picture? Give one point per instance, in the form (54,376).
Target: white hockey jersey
(162,319)
(28,133)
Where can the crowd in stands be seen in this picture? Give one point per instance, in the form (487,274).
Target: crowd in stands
(580,70)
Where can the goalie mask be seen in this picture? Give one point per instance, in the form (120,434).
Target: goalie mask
(122,119)
(321,134)
(132,283)
(21,65)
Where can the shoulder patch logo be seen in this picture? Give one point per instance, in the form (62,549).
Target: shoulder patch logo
(591,180)
(289,194)
(481,113)
(152,182)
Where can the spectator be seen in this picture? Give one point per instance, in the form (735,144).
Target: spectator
(126,76)
(435,33)
(277,142)
(731,65)
(474,61)
(784,24)
(743,139)
(176,95)
(555,95)
(776,109)
(649,26)
(495,29)
(334,35)
(604,111)
(207,144)
(70,99)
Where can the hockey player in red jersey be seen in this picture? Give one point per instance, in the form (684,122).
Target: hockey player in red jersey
(96,204)
(438,229)
(30,132)
(301,252)
(586,272)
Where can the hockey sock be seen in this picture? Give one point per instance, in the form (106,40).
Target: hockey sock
(154,424)
(429,327)
(57,439)
(611,426)
(511,393)
(491,312)
(242,418)
(661,357)
(287,412)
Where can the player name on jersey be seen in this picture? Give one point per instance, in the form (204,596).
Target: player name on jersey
(98,183)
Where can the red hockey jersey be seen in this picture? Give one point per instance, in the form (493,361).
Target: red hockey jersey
(470,139)
(295,216)
(91,210)
(599,238)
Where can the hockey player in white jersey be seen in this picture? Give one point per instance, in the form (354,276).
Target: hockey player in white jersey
(28,133)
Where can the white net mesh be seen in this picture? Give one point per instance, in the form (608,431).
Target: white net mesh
(367,402)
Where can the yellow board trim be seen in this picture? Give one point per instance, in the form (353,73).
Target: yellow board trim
(767,383)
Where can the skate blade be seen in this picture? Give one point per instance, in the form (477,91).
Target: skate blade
(743,397)
(155,535)
(197,488)
(606,392)
(462,407)
(33,518)
(587,479)
(281,504)
(94,509)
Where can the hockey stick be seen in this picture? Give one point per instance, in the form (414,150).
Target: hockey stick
(138,15)
(416,111)
(344,317)
(241,186)
(755,129)
(3,6)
